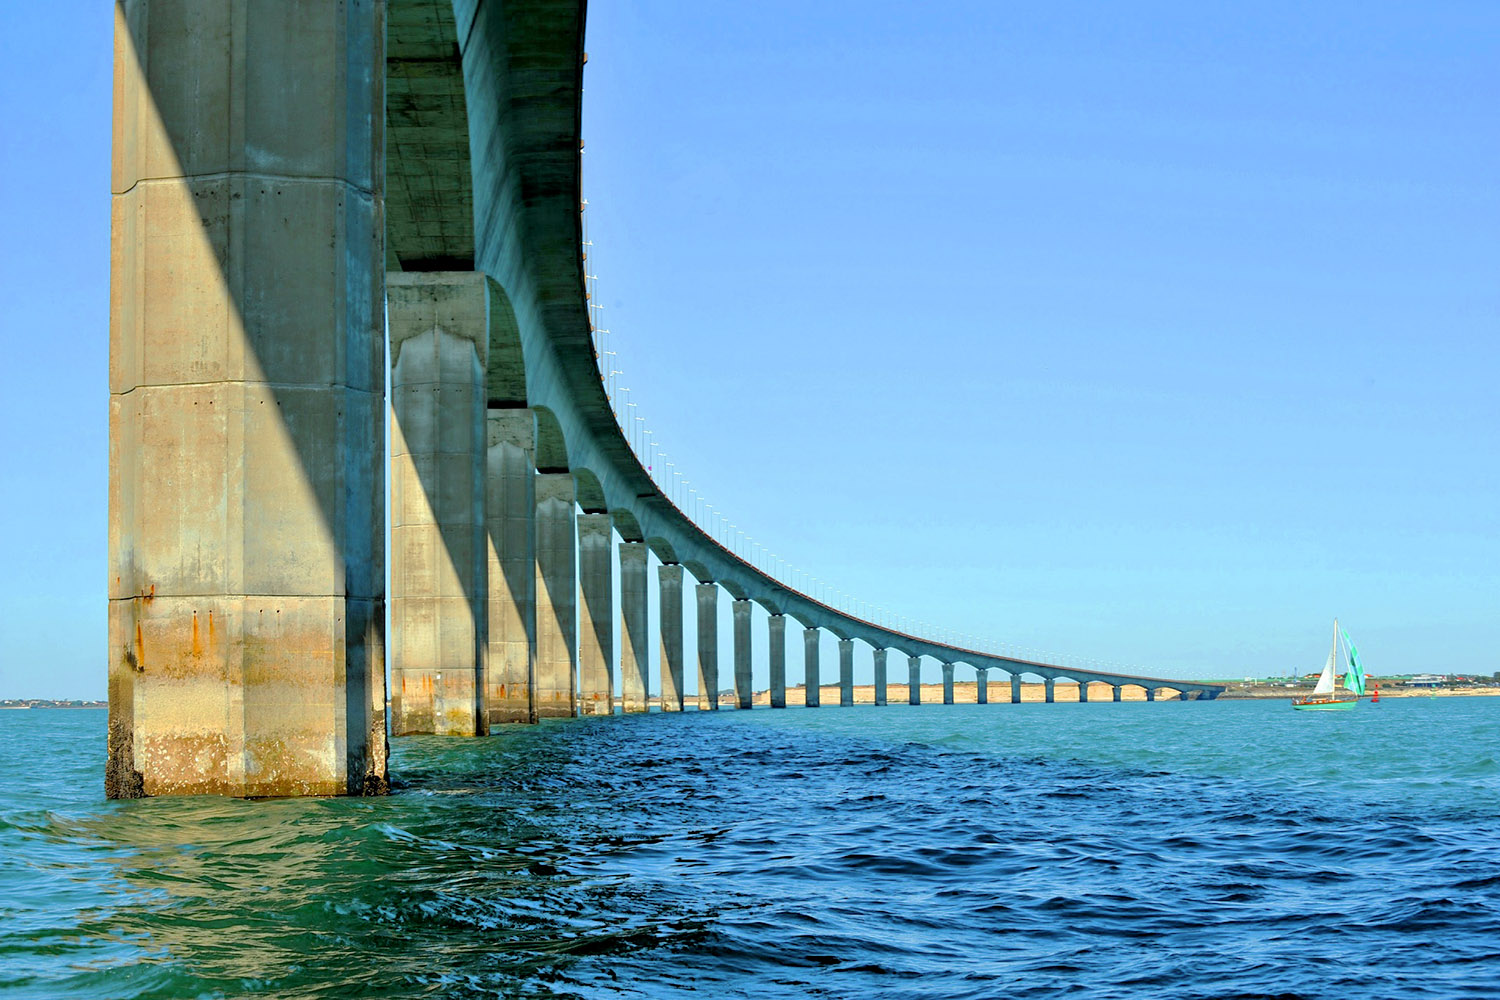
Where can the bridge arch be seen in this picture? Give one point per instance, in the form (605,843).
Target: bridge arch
(626,525)
(663,550)
(429,197)
(551,446)
(771,606)
(505,379)
(590,493)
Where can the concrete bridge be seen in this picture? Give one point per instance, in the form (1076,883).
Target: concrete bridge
(289,178)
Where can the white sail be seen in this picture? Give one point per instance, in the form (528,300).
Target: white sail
(1325,681)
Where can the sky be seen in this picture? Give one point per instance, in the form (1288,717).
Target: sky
(1156,334)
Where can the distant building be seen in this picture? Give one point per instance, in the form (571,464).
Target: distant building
(1427,681)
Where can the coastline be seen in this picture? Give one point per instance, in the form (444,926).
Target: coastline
(966,693)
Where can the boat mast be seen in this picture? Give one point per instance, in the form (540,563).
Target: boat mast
(1333,655)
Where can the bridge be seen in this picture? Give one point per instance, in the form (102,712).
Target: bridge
(290,179)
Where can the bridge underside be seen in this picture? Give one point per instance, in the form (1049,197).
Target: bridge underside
(268,224)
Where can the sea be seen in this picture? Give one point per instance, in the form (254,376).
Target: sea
(1177,849)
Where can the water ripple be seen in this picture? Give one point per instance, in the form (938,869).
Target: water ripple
(1112,851)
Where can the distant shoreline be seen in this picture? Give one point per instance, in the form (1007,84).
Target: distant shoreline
(1262,692)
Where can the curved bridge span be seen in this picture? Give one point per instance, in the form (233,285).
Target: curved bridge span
(286,171)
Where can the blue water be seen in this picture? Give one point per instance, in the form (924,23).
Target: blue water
(1229,849)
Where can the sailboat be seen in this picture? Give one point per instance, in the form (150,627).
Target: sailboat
(1325,695)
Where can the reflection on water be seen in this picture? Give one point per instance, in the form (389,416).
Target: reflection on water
(1113,850)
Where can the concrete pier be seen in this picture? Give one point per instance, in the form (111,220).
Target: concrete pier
(669,580)
(556,688)
(947,684)
(1116,691)
(635,632)
(914,680)
(246,580)
(880,685)
(439,335)
(811,676)
(982,685)
(1083,691)
(740,612)
(596,614)
(1050,684)
(846,673)
(1183,696)
(776,653)
(510,509)
(708,647)
(1015,689)
(1151,694)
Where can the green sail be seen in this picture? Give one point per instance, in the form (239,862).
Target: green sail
(1354,678)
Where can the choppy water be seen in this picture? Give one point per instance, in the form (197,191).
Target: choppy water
(1103,850)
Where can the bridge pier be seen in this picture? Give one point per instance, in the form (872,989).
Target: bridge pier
(1183,696)
(1015,689)
(246,579)
(1150,694)
(776,650)
(947,684)
(439,334)
(1083,691)
(846,673)
(669,580)
(1116,691)
(708,647)
(982,685)
(1050,683)
(740,609)
(811,676)
(556,689)
(635,630)
(914,680)
(510,576)
(880,676)
(596,613)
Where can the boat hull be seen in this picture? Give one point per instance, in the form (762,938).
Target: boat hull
(1324,704)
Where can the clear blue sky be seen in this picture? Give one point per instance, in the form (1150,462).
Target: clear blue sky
(1159,333)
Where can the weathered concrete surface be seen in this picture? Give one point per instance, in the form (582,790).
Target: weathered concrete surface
(812,683)
(846,672)
(510,514)
(776,653)
(947,684)
(1083,691)
(596,613)
(439,335)
(669,579)
(1051,684)
(1151,694)
(1116,690)
(556,597)
(246,557)
(1015,689)
(635,632)
(914,680)
(708,647)
(982,685)
(743,693)
(880,685)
